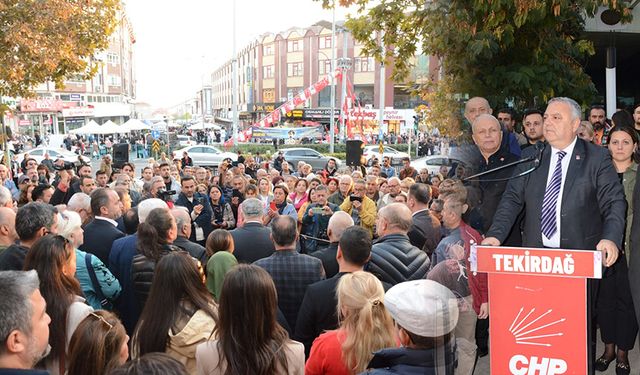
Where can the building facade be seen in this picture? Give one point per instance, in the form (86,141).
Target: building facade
(109,95)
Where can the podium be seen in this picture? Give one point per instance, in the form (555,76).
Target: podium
(537,308)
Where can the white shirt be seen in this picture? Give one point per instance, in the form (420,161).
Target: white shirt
(554,241)
(115,224)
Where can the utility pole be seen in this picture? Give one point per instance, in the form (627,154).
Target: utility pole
(332,119)
(344,63)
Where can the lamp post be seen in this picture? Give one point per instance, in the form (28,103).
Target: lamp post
(333,86)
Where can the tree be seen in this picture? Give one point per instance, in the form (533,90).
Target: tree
(521,51)
(49,40)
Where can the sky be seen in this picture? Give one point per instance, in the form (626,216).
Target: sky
(179,43)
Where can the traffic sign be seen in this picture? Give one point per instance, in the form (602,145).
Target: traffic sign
(155,146)
(155,134)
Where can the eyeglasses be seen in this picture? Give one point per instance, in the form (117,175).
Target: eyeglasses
(102,319)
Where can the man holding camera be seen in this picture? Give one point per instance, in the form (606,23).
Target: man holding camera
(199,209)
(360,207)
(316,221)
(67,183)
(169,183)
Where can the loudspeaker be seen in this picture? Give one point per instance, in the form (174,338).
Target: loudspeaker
(120,154)
(354,152)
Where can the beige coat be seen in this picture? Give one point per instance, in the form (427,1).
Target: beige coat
(182,346)
(208,358)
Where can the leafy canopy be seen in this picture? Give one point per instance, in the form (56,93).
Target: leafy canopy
(49,40)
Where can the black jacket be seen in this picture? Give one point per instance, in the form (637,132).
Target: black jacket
(195,250)
(252,242)
(142,271)
(12,258)
(328,257)
(425,232)
(203,220)
(394,260)
(98,238)
(412,361)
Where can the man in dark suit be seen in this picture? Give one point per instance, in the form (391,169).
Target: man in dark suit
(318,310)
(253,240)
(291,271)
(198,207)
(425,231)
(337,224)
(183,223)
(100,233)
(574,200)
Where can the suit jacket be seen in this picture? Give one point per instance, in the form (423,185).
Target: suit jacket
(203,220)
(292,273)
(425,231)
(195,250)
(252,242)
(593,205)
(98,239)
(120,260)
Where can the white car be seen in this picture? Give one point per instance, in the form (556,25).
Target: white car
(434,162)
(204,155)
(54,153)
(185,141)
(371,152)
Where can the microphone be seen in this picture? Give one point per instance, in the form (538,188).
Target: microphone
(536,158)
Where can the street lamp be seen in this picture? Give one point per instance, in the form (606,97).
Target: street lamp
(333,86)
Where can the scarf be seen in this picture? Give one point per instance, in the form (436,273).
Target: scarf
(281,207)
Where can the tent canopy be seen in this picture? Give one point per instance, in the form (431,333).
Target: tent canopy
(91,128)
(110,127)
(135,124)
(202,126)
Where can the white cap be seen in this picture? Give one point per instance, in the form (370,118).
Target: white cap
(423,307)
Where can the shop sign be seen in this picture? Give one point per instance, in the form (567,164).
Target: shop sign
(40,105)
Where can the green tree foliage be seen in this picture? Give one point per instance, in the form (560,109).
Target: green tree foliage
(49,40)
(520,51)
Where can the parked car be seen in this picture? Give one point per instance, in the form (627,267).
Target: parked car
(185,141)
(307,155)
(54,153)
(434,162)
(209,156)
(373,152)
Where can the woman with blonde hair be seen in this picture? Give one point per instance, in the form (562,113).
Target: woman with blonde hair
(365,327)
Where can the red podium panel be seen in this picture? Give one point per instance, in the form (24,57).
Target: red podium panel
(538,308)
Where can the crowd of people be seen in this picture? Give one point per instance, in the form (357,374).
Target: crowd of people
(259,268)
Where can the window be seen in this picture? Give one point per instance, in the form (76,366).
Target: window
(36,153)
(267,49)
(325,41)
(324,66)
(295,153)
(364,64)
(295,69)
(294,45)
(113,58)
(53,153)
(311,153)
(114,80)
(267,71)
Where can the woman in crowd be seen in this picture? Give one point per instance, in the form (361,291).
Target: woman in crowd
(43,174)
(179,313)
(251,191)
(332,185)
(264,191)
(54,259)
(303,209)
(155,237)
(220,251)
(299,196)
(365,327)
(98,345)
(291,181)
(202,189)
(279,205)
(222,216)
(89,268)
(615,308)
(585,131)
(314,183)
(125,197)
(248,338)
(383,187)
(25,194)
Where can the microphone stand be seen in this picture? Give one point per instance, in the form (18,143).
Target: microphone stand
(535,158)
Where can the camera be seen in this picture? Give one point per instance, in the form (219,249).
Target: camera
(165,195)
(66,166)
(353,198)
(199,201)
(317,210)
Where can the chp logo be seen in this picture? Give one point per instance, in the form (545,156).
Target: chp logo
(537,330)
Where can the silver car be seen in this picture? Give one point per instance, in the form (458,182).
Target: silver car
(206,156)
(307,155)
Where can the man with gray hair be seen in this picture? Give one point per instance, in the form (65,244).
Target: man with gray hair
(24,327)
(183,223)
(315,222)
(478,106)
(6,199)
(252,241)
(120,258)
(33,221)
(81,203)
(338,223)
(393,258)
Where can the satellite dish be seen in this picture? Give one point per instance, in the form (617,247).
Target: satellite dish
(610,17)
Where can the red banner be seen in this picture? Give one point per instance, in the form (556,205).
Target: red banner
(538,304)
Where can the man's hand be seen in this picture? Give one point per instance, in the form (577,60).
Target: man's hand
(64,177)
(356,204)
(327,210)
(609,252)
(198,209)
(484,311)
(490,241)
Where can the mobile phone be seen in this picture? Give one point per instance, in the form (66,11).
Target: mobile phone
(273,206)
(317,210)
